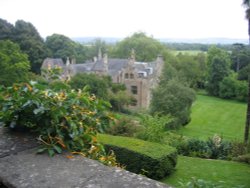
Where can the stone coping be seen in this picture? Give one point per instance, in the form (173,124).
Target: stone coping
(22,167)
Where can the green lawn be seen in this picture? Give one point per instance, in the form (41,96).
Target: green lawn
(231,174)
(189,52)
(211,115)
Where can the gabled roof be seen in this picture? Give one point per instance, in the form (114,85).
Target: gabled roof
(117,64)
(53,62)
(114,66)
(79,68)
(98,66)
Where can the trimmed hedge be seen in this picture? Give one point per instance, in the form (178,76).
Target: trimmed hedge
(151,159)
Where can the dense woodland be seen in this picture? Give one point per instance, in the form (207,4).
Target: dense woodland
(219,70)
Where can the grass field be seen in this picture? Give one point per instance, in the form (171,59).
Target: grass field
(211,115)
(230,174)
(189,52)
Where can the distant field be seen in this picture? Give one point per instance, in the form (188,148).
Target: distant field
(231,174)
(189,52)
(211,115)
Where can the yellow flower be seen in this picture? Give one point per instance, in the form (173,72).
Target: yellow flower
(29,87)
(102,158)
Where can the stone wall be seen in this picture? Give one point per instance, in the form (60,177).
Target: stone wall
(21,167)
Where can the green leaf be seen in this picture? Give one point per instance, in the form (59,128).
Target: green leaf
(57,148)
(38,110)
(41,150)
(27,103)
(51,152)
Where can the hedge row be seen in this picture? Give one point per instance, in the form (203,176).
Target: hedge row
(151,159)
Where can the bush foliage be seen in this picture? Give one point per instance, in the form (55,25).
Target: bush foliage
(63,120)
(155,127)
(172,98)
(124,126)
(151,159)
(243,158)
(212,148)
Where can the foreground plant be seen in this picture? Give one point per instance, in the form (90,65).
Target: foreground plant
(200,183)
(65,120)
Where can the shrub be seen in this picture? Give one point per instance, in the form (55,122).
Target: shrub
(227,87)
(152,159)
(220,149)
(172,98)
(200,183)
(241,91)
(97,85)
(194,148)
(57,85)
(213,148)
(119,100)
(174,140)
(231,88)
(124,127)
(64,120)
(239,148)
(154,127)
(243,158)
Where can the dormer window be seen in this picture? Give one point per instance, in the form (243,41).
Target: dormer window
(149,70)
(140,75)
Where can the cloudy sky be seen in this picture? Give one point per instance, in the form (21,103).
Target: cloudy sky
(121,18)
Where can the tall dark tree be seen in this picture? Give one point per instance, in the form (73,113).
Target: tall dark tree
(30,42)
(61,46)
(240,57)
(246,134)
(6,30)
(218,62)
(246,3)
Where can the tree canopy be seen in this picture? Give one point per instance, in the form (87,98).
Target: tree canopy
(146,48)
(6,30)
(97,85)
(30,42)
(14,65)
(172,98)
(218,68)
(61,46)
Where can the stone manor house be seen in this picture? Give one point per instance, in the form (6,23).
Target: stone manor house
(138,77)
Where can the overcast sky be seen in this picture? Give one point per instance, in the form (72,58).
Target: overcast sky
(121,18)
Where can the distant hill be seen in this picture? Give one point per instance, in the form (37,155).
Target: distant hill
(87,40)
(112,40)
(205,40)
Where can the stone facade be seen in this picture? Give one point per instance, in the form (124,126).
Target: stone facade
(138,77)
